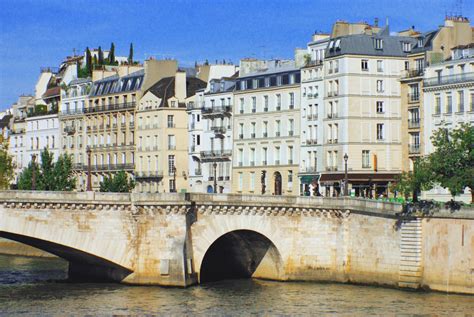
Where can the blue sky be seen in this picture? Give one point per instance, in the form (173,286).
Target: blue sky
(42,32)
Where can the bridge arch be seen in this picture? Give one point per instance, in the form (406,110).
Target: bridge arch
(234,247)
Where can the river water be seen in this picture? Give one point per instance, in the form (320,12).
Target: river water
(34,286)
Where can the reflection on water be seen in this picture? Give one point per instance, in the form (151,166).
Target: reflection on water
(37,286)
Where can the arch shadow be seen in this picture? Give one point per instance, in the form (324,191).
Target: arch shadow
(83,266)
(241,254)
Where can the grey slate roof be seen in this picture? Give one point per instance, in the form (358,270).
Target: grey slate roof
(362,44)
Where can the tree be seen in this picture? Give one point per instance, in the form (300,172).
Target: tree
(130,55)
(452,162)
(117,184)
(111,58)
(413,182)
(50,176)
(88,61)
(6,165)
(100,59)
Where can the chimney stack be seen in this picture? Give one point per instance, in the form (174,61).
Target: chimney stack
(180,85)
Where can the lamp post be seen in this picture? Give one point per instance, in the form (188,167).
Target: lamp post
(89,179)
(346,181)
(33,172)
(215,177)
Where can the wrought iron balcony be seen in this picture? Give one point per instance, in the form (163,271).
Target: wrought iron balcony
(149,175)
(413,123)
(112,167)
(216,155)
(449,79)
(70,129)
(113,107)
(412,73)
(414,149)
(414,97)
(219,129)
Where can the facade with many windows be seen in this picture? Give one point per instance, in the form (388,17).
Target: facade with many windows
(109,123)
(312,111)
(362,116)
(449,98)
(266,129)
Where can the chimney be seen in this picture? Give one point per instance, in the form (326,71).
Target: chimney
(180,85)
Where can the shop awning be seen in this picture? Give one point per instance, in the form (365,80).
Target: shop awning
(308,179)
(359,178)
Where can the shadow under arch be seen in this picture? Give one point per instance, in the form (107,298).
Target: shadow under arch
(241,254)
(83,266)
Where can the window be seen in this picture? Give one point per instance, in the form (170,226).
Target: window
(290,155)
(241,157)
(241,105)
(292,100)
(380,66)
(172,186)
(171,142)
(277,127)
(365,158)
(379,85)
(461,101)
(290,177)
(378,44)
(414,92)
(265,103)
(364,64)
(254,104)
(437,104)
(171,166)
(380,131)
(449,104)
(406,47)
(252,181)
(241,181)
(170,121)
(380,107)
(278,102)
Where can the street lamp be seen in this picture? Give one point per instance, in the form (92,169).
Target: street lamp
(89,179)
(346,181)
(33,172)
(215,177)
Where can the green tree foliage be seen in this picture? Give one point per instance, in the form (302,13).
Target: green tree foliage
(100,59)
(452,162)
(117,184)
(6,165)
(411,183)
(130,55)
(50,176)
(111,58)
(88,62)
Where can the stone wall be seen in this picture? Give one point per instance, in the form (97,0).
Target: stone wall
(164,238)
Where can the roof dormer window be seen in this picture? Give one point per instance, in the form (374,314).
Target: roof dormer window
(338,44)
(378,44)
(331,45)
(406,47)
(420,42)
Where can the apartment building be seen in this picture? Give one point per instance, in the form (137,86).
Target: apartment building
(109,119)
(195,134)
(430,48)
(312,112)
(362,119)
(266,125)
(162,138)
(74,98)
(216,150)
(449,101)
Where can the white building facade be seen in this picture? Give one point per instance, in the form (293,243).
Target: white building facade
(449,101)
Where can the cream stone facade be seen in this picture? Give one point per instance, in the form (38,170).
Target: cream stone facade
(362,116)
(162,138)
(430,48)
(266,121)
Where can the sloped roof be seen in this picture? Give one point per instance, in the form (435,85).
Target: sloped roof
(52,92)
(5,121)
(165,89)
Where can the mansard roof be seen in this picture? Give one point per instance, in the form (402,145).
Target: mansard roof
(165,89)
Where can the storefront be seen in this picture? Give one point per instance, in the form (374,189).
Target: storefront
(372,185)
(309,185)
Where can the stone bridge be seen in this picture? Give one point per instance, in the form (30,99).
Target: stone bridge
(184,239)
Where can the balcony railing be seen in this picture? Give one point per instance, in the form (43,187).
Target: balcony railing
(413,97)
(219,129)
(311,141)
(449,79)
(70,129)
(79,166)
(71,112)
(112,167)
(331,168)
(332,115)
(216,155)
(412,73)
(414,149)
(312,117)
(113,107)
(309,169)
(413,123)
(149,175)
